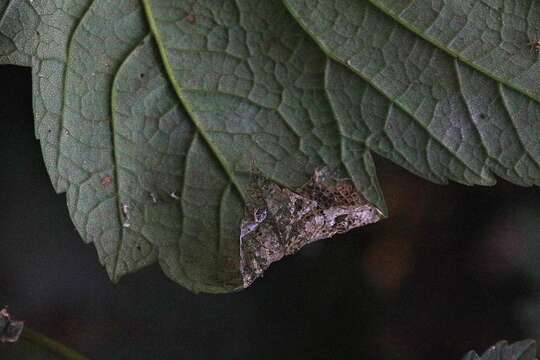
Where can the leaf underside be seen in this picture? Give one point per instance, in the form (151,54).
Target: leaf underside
(152,114)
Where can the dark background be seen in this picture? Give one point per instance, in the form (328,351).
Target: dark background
(452,269)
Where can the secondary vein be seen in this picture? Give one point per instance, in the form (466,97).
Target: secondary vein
(185,103)
(435,43)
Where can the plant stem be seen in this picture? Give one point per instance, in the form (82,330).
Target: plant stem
(50,344)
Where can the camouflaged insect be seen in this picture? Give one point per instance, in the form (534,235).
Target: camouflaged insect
(280,221)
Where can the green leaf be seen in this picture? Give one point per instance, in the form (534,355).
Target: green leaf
(58,20)
(449,115)
(156,117)
(18,38)
(496,39)
(521,350)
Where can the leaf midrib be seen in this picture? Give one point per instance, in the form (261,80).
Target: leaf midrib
(185,103)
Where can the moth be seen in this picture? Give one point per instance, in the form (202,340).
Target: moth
(279,220)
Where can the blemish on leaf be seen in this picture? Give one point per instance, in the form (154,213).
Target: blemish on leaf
(190,18)
(10,329)
(280,221)
(106,181)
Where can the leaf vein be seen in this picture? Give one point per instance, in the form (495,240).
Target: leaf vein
(179,93)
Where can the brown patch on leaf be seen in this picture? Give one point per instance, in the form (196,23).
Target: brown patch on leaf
(280,221)
(10,329)
(190,18)
(106,181)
